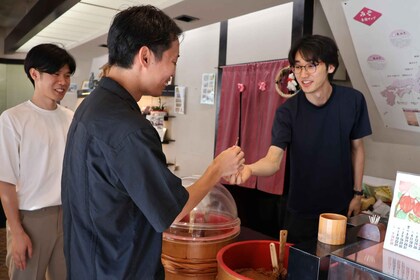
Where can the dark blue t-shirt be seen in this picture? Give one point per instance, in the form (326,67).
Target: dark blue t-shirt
(318,141)
(117,193)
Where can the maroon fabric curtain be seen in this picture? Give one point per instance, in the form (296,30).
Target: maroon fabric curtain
(259,103)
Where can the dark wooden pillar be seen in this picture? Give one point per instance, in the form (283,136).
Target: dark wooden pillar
(303,18)
(222,62)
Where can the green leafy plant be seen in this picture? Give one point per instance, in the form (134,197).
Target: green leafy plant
(160,107)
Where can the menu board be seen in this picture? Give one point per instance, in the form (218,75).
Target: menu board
(403,230)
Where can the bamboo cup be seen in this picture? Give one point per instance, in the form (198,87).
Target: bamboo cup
(332,229)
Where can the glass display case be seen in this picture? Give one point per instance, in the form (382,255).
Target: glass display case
(368,260)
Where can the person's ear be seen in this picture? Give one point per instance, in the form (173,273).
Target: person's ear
(34,73)
(144,56)
(331,68)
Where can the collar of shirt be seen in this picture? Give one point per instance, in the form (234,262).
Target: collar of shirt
(114,87)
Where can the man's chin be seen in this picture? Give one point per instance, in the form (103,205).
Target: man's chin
(59,98)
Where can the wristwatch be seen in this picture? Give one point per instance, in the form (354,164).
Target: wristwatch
(358,192)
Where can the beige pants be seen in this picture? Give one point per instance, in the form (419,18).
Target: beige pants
(45,229)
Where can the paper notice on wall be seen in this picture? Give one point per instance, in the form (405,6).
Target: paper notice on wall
(208,84)
(180,100)
(386,39)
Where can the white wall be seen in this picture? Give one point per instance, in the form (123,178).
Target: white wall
(260,36)
(193,132)
(388,150)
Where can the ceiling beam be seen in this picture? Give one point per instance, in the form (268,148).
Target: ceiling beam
(11,61)
(41,15)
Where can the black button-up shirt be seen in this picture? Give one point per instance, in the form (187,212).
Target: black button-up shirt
(118,195)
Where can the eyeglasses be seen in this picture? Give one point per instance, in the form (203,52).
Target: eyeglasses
(310,68)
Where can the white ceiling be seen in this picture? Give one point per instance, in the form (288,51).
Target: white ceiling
(85,21)
(88,21)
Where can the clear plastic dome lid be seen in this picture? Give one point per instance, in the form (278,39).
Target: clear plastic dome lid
(215,217)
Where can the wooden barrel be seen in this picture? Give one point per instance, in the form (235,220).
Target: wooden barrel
(192,259)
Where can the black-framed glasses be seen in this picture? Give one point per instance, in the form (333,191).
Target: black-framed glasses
(310,68)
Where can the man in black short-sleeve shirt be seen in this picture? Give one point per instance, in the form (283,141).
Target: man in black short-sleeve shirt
(321,127)
(118,195)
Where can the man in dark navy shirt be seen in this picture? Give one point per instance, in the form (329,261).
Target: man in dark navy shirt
(322,127)
(118,195)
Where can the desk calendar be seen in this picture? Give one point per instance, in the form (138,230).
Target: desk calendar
(403,230)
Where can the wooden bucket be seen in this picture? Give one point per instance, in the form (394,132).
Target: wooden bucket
(253,254)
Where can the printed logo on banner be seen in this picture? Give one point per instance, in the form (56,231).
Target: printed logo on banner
(367,16)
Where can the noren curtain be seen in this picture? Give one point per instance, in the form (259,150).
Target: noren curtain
(251,115)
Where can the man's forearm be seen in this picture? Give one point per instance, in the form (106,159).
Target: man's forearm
(358,161)
(269,164)
(11,206)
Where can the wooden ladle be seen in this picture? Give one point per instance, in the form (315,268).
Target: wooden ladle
(282,249)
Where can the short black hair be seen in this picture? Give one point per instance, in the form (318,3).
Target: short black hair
(136,27)
(48,58)
(316,48)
